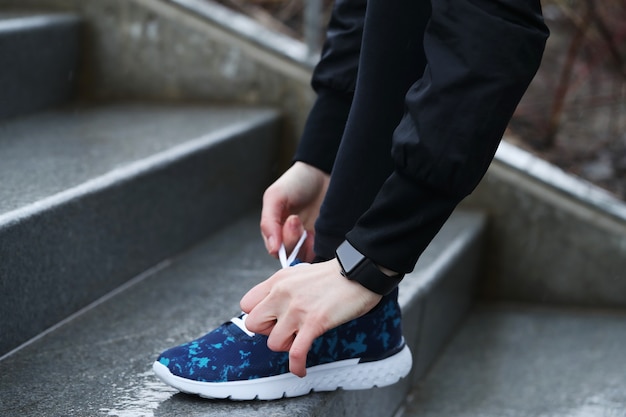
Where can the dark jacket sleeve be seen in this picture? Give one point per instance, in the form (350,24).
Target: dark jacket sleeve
(334,80)
(481,54)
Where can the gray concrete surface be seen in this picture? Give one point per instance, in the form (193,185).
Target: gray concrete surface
(523,361)
(38,61)
(175,50)
(552,238)
(49,152)
(109,192)
(450,292)
(98,363)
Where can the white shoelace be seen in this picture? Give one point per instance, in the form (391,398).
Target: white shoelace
(241,323)
(282,252)
(285,261)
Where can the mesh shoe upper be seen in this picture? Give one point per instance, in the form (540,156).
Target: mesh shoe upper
(229,353)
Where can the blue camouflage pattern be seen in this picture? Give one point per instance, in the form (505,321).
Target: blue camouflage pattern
(229,354)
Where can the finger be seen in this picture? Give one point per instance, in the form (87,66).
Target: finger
(261,319)
(272,217)
(263,326)
(291,232)
(299,350)
(282,335)
(254,296)
(271,232)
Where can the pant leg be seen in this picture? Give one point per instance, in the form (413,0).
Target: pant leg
(392,58)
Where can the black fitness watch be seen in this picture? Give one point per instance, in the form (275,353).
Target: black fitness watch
(357,267)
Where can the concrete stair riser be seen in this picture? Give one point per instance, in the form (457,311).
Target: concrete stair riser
(552,237)
(59,258)
(39,59)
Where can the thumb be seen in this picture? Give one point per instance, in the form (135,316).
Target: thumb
(291,232)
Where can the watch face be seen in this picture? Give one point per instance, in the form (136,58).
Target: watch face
(348,257)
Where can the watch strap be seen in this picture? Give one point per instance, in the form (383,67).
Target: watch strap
(365,272)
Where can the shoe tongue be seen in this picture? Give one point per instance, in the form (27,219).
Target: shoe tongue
(240,322)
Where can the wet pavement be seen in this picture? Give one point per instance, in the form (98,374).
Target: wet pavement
(521,361)
(98,363)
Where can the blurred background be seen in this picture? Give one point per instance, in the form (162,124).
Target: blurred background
(574,113)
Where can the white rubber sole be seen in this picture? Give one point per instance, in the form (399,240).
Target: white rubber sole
(347,374)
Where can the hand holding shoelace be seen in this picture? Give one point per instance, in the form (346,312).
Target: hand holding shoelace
(290,206)
(298,304)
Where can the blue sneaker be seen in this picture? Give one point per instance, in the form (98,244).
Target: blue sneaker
(233,362)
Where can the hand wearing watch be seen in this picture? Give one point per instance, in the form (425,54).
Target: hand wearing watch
(357,267)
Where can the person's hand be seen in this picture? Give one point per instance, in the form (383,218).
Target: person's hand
(298,304)
(290,206)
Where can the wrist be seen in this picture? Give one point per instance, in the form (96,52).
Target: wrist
(357,267)
(387,271)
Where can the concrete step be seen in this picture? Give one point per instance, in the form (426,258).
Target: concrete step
(98,363)
(521,360)
(93,195)
(38,61)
